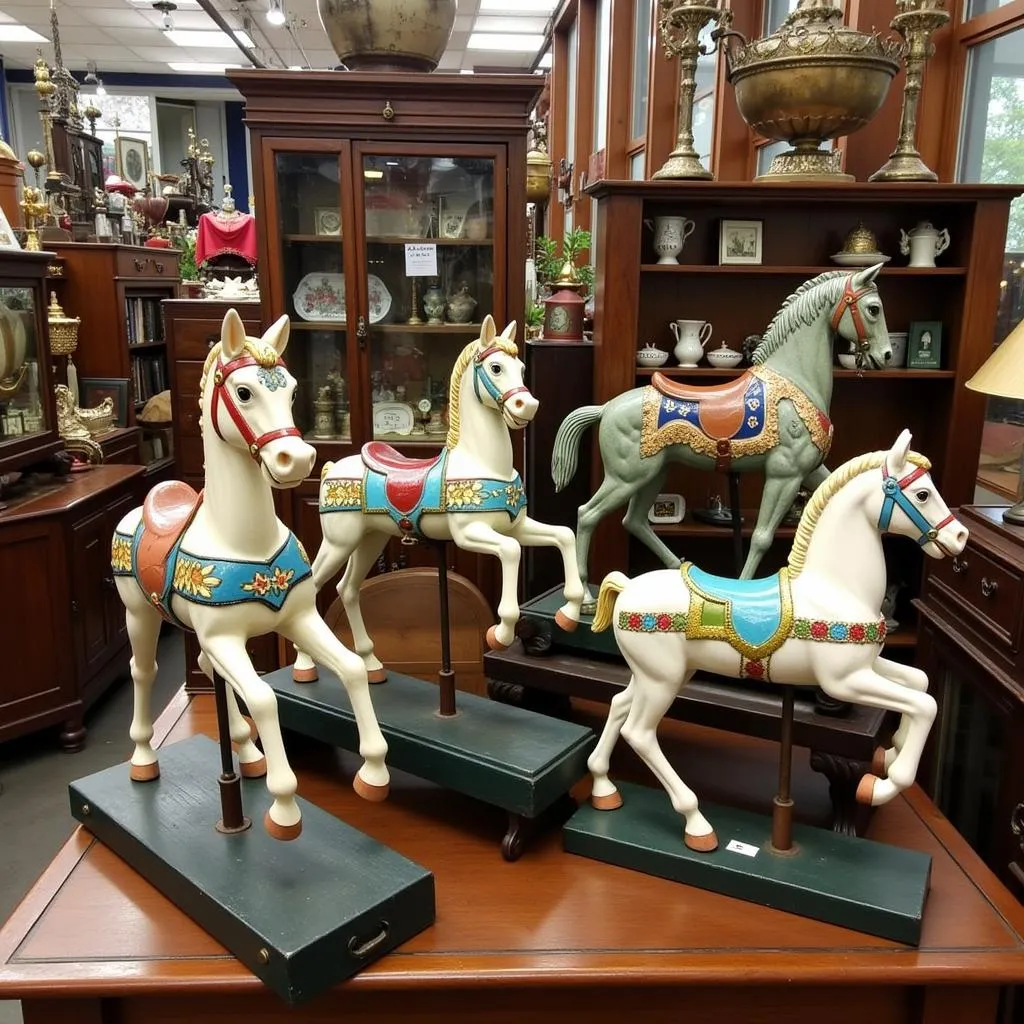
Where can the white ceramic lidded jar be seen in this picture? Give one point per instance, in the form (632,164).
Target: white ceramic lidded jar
(923,243)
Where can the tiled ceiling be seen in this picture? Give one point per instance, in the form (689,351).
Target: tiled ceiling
(129,36)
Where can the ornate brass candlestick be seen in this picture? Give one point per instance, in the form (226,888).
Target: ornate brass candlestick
(35,206)
(45,89)
(680,22)
(916,21)
(92,112)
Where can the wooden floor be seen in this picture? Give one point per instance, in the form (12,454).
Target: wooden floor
(549,937)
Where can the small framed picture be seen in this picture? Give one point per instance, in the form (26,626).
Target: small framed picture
(924,345)
(739,241)
(133,160)
(95,389)
(667,508)
(327,220)
(8,240)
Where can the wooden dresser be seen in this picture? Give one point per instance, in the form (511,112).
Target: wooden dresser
(63,625)
(970,644)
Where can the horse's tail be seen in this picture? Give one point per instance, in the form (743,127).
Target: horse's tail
(613,585)
(565,456)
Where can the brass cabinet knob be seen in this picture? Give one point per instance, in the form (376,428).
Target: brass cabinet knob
(388,113)
(959,565)
(988,587)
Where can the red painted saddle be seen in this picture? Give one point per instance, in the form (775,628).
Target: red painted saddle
(166,513)
(405,479)
(721,408)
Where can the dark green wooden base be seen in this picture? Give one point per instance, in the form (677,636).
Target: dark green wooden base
(506,756)
(539,612)
(868,887)
(301,915)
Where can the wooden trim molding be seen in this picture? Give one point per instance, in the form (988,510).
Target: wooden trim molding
(583,143)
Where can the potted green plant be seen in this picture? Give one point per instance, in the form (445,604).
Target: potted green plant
(550,260)
(187,268)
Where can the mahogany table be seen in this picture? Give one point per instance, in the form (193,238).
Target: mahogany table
(550,937)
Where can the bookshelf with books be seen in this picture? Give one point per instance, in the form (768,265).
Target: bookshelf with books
(116,290)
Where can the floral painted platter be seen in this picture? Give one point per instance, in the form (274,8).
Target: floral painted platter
(320,296)
(380,298)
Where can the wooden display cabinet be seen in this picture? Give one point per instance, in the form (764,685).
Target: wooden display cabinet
(802,226)
(349,170)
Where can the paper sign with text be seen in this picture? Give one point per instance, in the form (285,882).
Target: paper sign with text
(420,260)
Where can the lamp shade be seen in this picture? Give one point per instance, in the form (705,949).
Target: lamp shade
(1002,374)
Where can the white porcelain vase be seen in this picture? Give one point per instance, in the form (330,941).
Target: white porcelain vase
(691,337)
(923,243)
(670,235)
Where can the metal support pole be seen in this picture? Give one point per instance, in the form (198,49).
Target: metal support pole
(782,812)
(232,818)
(446,677)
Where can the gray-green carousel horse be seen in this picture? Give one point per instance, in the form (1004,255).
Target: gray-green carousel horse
(773,419)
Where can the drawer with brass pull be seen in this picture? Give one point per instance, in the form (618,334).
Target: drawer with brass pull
(193,339)
(988,592)
(157,264)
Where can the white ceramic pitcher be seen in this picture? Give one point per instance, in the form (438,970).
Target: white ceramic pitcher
(670,235)
(923,243)
(691,337)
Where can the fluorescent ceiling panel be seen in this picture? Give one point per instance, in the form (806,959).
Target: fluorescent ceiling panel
(199,67)
(507,42)
(182,4)
(517,26)
(518,6)
(545,61)
(197,40)
(20,34)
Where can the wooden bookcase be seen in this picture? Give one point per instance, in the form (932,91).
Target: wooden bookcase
(116,290)
(802,226)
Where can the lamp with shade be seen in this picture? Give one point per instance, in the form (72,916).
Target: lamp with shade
(1002,376)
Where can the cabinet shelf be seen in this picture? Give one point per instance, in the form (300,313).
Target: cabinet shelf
(319,325)
(420,240)
(785,271)
(712,371)
(427,328)
(315,239)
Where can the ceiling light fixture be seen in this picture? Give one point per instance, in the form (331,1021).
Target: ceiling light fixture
(205,39)
(165,7)
(93,79)
(275,12)
(508,42)
(518,6)
(11,33)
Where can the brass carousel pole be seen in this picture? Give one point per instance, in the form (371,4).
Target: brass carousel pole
(45,88)
(681,22)
(915,21)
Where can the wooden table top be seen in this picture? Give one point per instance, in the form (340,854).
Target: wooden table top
(93,927)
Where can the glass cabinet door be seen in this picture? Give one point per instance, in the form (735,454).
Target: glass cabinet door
(22,409)
(309,219)
(431,277)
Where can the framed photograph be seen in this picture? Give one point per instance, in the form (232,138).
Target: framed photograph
(667,508)
(133,160)
(94,389)
(924,345)
(327,220)
(8,240)
(739,241)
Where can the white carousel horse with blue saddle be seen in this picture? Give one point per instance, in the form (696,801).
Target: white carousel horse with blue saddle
(470,494)
(222,564)
(816,622)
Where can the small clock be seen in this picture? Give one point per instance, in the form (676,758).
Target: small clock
(424,406)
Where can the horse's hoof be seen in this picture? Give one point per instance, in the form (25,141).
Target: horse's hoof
(878,762)
(866,789)
(701,844)
(253,769)
(145,772)
(377,675)
(283,832)
(305,675)
(564,622)
(368,791)
(492,640)
(608,802)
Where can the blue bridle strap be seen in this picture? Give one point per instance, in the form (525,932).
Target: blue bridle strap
(481,376)
(893,490)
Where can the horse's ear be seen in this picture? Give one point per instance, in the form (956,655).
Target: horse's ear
(277,334)
(488,331)
(509,334)
(866,276)
(897,457)
(232,335)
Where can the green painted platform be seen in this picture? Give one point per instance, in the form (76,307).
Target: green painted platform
(541,610)
(858,884)
(322,906)
(518,760)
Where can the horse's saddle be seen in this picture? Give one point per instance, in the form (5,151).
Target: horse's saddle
(402,487)
(168,510)
(753,616)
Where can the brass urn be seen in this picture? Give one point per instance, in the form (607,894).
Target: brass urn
(860,242)
(538,166)
(812,80)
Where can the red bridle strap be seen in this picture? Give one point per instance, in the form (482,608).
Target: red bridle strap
(500,397)
(848,302)
(222,394)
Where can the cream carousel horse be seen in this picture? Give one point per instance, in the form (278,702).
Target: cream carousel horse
(816,622)
(470,494)
(222,564)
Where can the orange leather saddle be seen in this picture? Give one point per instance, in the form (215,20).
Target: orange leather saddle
(168,510)
(405,479)
(721,408)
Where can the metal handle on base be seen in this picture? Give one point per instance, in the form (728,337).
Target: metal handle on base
(988,587)
(959,565)
(362,950)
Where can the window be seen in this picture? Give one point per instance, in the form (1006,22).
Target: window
(641,67)
(704,98)
(775,12)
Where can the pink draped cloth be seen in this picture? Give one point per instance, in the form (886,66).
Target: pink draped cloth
(218,235)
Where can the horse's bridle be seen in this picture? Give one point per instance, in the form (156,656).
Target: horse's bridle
(221,393)
(480,376)
(893,489)
(848,303)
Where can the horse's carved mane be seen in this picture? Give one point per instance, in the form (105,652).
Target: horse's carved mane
(466,357)
(265,355)
(800,309)
(827,490)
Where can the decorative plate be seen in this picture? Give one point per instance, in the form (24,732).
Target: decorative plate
(380,298)
(667,508)
(321,297)
(393,418)
(859,259)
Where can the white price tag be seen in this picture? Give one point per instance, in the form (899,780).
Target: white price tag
(735,846)
(420,259)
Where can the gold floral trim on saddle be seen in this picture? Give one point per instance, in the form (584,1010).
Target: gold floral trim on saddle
(726,421)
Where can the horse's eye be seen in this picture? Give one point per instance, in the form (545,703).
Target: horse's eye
(243,393)
(874,309)
(923,496)
(495,368)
